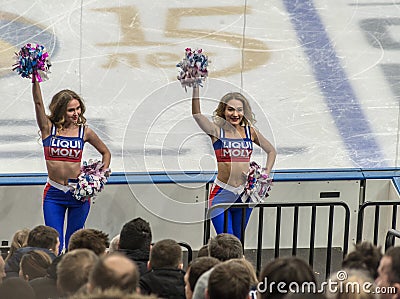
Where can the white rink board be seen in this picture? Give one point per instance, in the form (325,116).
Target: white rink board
(177,211)
(116,205)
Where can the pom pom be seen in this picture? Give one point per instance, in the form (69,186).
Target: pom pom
(258,183)
(91,181)
(193,68)
(32,61)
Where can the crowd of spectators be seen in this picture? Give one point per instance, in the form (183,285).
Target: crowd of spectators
(131,266)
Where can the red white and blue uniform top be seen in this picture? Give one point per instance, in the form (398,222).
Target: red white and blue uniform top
(64,148)
(232,149)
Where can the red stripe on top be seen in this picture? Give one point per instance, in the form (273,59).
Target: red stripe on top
(243,155)
(70,155)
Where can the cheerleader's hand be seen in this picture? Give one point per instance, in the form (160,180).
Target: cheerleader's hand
(266,180)
(265,175)
(107,173)
(188,81)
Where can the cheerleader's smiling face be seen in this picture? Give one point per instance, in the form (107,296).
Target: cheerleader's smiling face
(73,111)
(234,112)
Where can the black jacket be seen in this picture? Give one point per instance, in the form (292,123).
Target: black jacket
(45,287)
(139,256)
(165,283)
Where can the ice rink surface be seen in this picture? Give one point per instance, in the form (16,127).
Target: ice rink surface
(323,78)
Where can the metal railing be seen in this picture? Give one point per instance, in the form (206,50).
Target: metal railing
(377,205)
(390,238)
(296,207)
(189,251)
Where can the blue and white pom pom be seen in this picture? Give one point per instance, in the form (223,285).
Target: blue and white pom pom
(258,183)
(33,61)
(91,181)
(193,68)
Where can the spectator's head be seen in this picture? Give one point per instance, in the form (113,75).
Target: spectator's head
(358,284)
(34,264)
(19,240)
(249,267)
(43,236)
(73,270)
(135,234)
(166,254)
(366,257)
(2,269)
(203,251)
(317,295)
(284,270)
(89,238)
(229,281)
(16,288)
(197,267)
(389,272)
(225,247)
(112,294)
(114,244)
(114,271)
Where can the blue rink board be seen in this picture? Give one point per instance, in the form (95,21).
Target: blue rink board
(208,177)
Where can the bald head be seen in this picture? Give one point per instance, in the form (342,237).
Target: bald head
(119,264)
(114,271)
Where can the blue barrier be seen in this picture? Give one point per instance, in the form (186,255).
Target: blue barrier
(165,177)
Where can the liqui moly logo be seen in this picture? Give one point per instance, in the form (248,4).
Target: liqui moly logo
(237,148)
(65,148)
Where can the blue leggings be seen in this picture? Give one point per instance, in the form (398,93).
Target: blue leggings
(56,203)
(220,195)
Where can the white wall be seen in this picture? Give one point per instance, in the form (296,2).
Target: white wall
(177,210)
